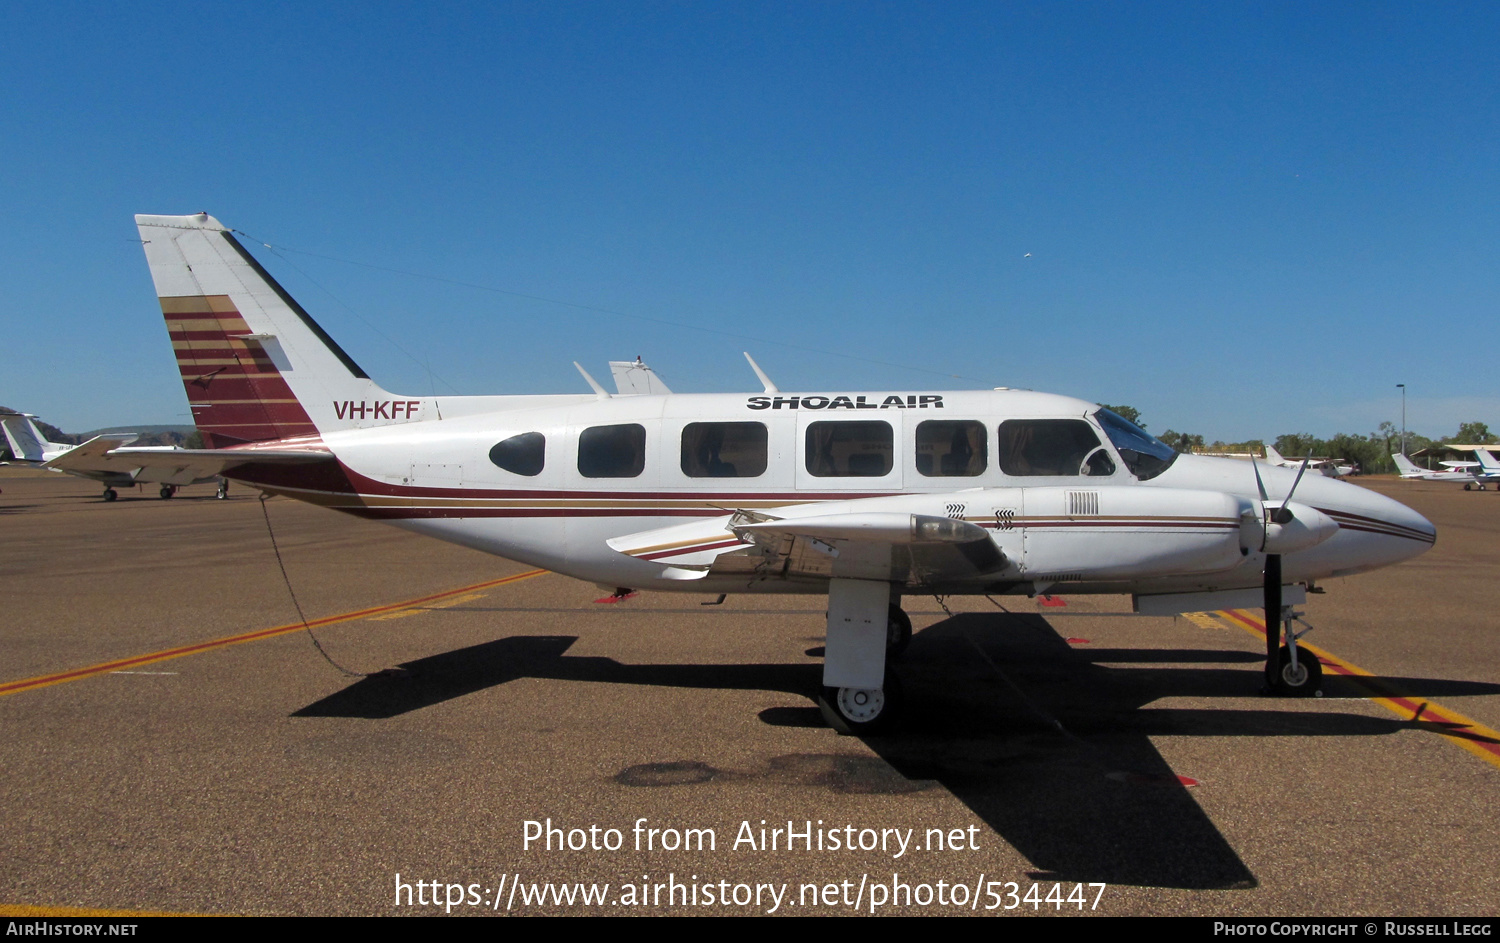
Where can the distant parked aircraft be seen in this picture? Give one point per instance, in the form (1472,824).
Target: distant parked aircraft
(91,460)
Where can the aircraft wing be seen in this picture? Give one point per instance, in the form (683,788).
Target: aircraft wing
(845,539)
(107,454)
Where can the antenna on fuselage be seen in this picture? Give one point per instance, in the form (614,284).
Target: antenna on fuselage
(599,391)
(765,381)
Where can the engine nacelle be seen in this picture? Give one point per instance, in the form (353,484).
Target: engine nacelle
(1079,533)
(1286,527)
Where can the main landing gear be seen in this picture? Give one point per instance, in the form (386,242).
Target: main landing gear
(167,491)
(897,631)
(861,711)
(866,628)
(110,494)
(223,492)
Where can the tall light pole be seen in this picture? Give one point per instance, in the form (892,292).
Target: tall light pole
(1402,388)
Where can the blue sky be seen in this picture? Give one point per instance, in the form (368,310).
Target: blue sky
(1243,219)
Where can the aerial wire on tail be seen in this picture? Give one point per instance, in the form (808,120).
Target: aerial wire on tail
(280,250)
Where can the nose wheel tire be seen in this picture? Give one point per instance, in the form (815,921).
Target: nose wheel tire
(1305,680)
(861,711)
(897,631)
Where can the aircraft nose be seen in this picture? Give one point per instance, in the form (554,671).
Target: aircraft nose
(1360,510)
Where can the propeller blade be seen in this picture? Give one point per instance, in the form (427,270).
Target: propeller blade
(1265,513)
(1283,514)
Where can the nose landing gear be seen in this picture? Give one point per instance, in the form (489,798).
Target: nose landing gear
(1289,672)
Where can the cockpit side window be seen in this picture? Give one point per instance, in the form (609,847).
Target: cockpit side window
(1052,447)
(1145,455)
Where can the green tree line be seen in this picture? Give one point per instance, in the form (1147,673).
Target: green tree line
(1371,453)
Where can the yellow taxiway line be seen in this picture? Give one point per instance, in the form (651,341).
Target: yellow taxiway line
(1475,737)
(438,600)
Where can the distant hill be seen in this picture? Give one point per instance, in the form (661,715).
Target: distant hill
(183,431)
(149,434)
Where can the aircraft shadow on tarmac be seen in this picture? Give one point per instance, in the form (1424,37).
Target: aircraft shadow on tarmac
(1046,742)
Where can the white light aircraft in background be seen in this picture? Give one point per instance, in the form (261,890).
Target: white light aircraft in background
(97,459)
(864,497)
(1326,466)
(1488,466)
(1472,474)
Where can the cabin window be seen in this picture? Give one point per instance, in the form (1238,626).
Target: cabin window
(951,448)
(524,454)
(850,449)
(1058,447)
(612,451)
(724,449)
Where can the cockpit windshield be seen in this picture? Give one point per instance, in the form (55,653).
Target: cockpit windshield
(1145,455)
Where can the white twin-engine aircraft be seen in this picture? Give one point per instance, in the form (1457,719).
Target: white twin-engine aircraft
(863,496)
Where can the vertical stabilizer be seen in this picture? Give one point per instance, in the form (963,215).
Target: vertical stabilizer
(27,442)
(254,364)
(634,378)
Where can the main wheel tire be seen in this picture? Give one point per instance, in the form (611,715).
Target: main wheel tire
(861,711)
(110,494)
(897,631)
(1305,681)
(167,491)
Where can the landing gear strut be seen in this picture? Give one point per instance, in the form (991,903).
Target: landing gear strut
(859,694)
(223,489)
(1289,672)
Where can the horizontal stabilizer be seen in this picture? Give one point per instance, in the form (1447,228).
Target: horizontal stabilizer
(89,455)
(107,453)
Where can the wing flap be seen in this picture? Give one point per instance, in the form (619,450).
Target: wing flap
(884,545)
